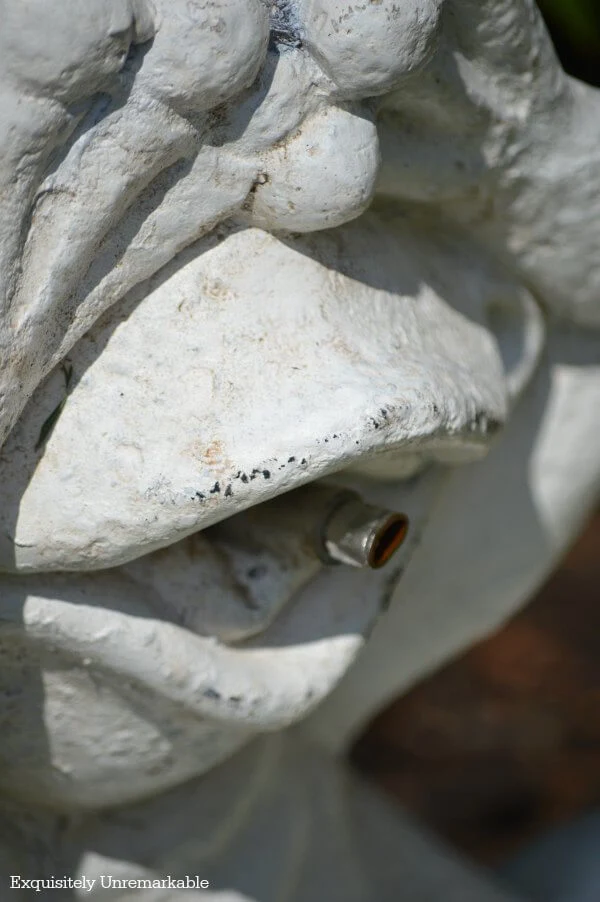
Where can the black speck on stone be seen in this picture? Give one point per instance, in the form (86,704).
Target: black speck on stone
(256,572)
(266,474)
(291,460)
(215,489)
(303,462)
(244,477)
(211,693)
(200,496)
(284,24)
(228,492)
(235,699)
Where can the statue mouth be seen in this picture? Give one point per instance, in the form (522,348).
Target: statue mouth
(209,400)
(261,242)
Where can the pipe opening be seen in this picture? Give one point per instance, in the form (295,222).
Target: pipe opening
(388,540)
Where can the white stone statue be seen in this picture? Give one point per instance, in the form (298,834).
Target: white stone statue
(246,246)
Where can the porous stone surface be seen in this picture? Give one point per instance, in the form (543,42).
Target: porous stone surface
(115,157)
(217,390)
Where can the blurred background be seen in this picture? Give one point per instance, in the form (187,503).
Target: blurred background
(499,752)
(575,29)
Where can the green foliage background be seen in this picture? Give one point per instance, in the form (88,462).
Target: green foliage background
(575,29)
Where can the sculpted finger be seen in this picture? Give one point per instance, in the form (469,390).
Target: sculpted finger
(197,197)
(80,204)
(202,54)
(53,59)
(77,206)
(366,47)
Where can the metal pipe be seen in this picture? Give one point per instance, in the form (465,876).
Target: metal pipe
(361,535)
(319,522)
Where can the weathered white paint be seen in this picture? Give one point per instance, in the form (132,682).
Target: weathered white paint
(220,388)
(183,224)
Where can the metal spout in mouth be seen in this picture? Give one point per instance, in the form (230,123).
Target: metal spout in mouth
(292,536)
(359,534)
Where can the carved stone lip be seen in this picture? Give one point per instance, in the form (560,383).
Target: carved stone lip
(253,365)
(101,627)
(114,630)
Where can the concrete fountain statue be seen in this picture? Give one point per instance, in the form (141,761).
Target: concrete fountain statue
(256,258)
